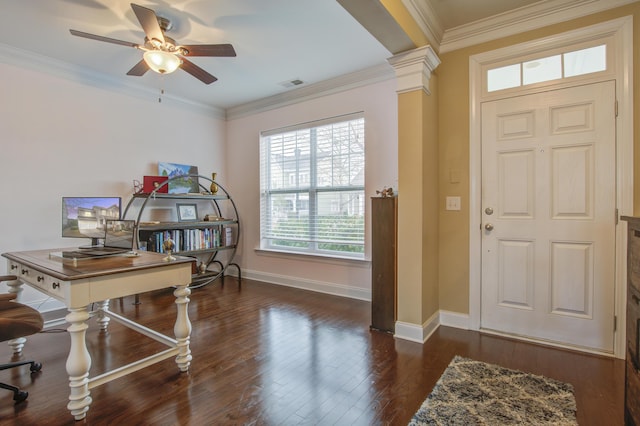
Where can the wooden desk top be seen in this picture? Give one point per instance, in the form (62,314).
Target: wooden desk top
(635,220)
(68,270)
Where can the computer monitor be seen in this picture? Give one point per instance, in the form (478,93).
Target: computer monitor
(86,217)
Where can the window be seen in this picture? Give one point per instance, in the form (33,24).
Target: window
(543,69)
(312,188)
(569,64)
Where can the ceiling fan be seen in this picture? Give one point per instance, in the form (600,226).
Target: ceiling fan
(161,53)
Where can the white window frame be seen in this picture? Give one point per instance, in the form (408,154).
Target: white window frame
(544,50)
(310,189)
(559,55)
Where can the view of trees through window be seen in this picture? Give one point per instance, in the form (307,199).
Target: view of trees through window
(312,188)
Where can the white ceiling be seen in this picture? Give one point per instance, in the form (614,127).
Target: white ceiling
(276,41)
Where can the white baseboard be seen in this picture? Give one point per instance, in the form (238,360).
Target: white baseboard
(408,331)
(455,319)
(403,330)
(420,334)
(416,333)
(319,286)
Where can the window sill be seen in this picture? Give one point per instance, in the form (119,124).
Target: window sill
(315,257)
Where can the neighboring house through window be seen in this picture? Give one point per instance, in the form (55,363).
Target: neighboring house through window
(312,188)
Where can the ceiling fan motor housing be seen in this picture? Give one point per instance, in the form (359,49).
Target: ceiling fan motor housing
(161,53)
(165,23)
(169,45)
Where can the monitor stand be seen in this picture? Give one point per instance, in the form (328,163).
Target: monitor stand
(95,243)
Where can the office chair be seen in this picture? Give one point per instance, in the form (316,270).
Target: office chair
(17,320)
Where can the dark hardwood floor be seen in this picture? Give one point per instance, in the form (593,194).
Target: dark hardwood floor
(272,355)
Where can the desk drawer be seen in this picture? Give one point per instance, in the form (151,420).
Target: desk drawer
(50,285)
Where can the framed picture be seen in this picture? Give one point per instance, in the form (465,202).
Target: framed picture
(183,178)
(187,212)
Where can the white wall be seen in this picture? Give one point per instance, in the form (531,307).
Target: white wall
(348,278)
(60,137)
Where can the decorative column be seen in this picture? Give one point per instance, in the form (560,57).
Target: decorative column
(417,193)
(413,69)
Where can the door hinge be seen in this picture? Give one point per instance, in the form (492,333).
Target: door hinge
(617,215)
(615,323)
(616,107)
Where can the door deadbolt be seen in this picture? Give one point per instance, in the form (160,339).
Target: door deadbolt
(488,227)
(488,211)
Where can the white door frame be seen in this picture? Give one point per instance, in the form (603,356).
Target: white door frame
(621,32)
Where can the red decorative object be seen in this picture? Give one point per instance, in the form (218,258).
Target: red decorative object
(150,183)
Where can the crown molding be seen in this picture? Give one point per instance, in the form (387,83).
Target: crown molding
(527,18)
(427,19)
(24,59)
(331,86)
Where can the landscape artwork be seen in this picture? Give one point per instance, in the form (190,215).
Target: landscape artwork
(182,178)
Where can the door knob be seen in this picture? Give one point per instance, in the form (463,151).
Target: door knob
(488,211)
(488,227)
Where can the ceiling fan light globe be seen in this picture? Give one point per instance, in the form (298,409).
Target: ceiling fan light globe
(162,62)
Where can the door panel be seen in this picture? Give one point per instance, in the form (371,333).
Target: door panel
(548,200)
(572,182)
(515,281)
(516,181)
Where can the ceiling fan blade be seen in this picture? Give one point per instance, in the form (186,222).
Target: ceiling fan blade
(101,38)
(149,22)
(139,69)
(197,72)
(209,50)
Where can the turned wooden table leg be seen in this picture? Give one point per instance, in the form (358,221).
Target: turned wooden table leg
(15,287)
(103,318)
(182,329)
(78,363)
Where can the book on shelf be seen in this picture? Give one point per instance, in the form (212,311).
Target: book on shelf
(192,239)
(228,236)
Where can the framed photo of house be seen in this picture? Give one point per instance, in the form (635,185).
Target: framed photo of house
(187,212)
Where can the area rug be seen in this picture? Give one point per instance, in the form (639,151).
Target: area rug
(476,393)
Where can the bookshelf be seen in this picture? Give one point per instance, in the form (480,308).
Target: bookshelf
(202,225)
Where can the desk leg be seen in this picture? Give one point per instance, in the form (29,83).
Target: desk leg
(15,288)
(78,363)
(103,318)
(182,329)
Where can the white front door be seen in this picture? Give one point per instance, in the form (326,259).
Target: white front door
(548,216)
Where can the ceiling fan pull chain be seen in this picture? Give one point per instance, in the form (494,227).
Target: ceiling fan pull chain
(161,84)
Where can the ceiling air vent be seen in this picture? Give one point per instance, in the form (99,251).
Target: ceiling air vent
(292,83)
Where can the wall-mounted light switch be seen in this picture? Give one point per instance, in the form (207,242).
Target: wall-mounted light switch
(453,203)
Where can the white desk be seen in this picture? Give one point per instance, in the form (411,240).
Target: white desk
(81,283)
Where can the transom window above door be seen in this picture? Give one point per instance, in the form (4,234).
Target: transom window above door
(549,68)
